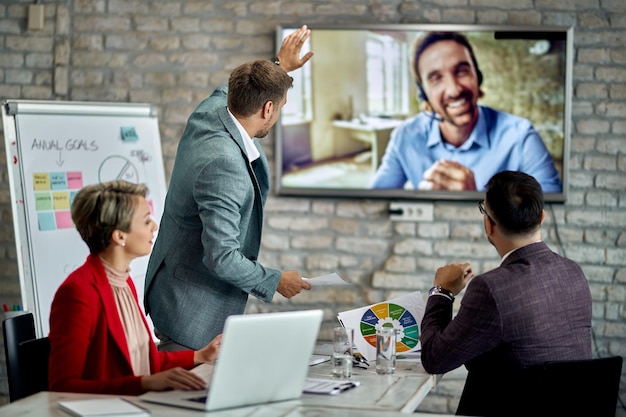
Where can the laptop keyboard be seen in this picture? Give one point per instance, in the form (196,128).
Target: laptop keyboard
(198,399)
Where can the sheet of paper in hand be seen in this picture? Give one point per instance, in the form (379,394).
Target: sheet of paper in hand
(403,313)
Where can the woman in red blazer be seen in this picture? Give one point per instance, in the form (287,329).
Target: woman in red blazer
(100,341)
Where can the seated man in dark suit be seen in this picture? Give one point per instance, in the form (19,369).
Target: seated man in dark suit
(535,307)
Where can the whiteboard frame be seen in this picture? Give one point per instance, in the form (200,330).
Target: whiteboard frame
(24,250)
(18,211)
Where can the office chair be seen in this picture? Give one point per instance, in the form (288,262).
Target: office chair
(26,357)
(584,387)
(552,389)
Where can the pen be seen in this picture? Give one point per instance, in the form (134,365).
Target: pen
(5,307)
(346,386)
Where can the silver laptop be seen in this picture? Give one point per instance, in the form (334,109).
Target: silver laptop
(263,358)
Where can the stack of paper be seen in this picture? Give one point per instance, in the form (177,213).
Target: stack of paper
(328,386)
(103,407)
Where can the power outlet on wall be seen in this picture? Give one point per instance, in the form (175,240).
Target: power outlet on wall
(411,212)
(36,16)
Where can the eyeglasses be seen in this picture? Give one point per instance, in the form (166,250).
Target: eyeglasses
(481,208)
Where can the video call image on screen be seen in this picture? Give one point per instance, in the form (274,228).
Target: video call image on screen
(359,86)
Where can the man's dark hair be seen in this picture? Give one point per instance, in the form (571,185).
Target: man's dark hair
(253,84)
(431,38)
(515,201)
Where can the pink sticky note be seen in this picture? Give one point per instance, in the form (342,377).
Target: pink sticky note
(63,219)
(74,180)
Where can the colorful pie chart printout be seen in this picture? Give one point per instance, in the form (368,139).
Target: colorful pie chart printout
(403,314)
(393,316)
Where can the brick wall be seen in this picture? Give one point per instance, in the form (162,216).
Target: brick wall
(173,53)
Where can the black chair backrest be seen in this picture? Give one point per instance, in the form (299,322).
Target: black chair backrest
(33,357)
(26,357)
(561,388)
(584,387)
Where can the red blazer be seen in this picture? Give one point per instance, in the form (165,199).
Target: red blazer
(88,348)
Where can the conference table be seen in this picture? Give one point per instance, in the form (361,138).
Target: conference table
(377,396)
(401,392)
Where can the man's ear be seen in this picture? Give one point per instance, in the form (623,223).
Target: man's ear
(488,226)
(268,109)
(543,216)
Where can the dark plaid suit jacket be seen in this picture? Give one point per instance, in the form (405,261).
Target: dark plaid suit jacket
(535,307)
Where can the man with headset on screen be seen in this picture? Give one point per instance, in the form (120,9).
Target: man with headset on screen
(456,144)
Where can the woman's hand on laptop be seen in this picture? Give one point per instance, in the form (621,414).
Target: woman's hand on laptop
(175,378)
(208,354)
(180,378)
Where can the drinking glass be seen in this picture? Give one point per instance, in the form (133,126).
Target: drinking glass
(385,350)
(343,339)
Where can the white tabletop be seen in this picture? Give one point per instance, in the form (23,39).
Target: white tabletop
(377,396)
(45,404)
(401,392)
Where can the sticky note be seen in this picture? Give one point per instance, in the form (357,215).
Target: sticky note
(46,221)
(58,181)
(74,180)
(63,219)
(61,200)
(41,181)
(129,134)
(43,201)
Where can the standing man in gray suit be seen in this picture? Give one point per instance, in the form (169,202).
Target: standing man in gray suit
(204,262)
(535,307)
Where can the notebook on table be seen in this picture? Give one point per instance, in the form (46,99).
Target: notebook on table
(263,358)
(321,353)
(317,358)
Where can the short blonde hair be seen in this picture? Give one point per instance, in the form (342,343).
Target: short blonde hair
(100,209)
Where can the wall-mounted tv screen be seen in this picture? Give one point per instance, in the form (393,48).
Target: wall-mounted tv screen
(426,111)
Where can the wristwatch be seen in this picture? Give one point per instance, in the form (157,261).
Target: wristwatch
(275,60)
(437,290)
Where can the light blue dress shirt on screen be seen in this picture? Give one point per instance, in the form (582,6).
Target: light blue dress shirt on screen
(500,141)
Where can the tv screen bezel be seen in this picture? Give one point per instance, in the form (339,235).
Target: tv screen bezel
(423,195)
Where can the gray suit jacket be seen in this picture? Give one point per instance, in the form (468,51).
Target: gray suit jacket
(535,307)
(204,261)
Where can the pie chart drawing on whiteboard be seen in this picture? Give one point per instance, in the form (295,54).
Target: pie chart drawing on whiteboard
(390,315)
(117,167)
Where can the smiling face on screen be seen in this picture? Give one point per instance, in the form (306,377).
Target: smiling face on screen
(450,81)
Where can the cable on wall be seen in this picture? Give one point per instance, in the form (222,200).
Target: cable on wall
(562,250)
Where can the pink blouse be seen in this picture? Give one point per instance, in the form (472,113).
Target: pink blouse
(137,337)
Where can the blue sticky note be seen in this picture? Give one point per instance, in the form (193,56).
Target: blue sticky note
(129,134)
(46,221)
(58,181)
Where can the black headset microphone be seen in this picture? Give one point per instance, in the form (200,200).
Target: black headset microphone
(422,96)
(435,116)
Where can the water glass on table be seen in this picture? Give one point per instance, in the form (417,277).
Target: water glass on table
(386,350)
(343,339)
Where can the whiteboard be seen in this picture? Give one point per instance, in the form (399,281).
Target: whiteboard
(53,149)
